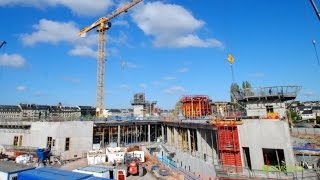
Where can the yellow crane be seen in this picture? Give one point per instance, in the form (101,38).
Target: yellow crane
(103,25)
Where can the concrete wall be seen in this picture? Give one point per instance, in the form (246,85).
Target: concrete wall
(261,111)
(198,167)
(3,176)
(273,134)
(79,132)
(138,110)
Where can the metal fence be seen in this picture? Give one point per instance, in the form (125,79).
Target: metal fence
(306,131)
(267,173)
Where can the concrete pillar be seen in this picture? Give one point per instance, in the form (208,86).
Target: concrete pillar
(149,134)
(156,132)
(199,142)
(119,135)
(169,135)
(205,144)
(189,140)
(136,137)
(162,133)
(175,134)
(103,132)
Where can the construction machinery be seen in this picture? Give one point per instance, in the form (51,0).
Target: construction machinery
(135,168)
(103,25)
(2,43)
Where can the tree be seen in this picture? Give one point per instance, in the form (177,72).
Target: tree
(246,86)
(234,91)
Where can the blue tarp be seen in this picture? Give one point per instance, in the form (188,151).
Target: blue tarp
(307,149)
(54,174)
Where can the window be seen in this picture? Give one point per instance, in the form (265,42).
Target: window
(49,142)
(15,140)
(273,157)
(269,109)
(53,142)
(20,142)
(67,145)
(14,178)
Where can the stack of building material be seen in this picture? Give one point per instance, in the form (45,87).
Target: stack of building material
(96,157)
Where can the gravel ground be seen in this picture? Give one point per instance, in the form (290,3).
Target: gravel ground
(75,164)
(148,176)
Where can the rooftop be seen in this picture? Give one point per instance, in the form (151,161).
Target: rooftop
(11,167)
(96,169)
(53,174)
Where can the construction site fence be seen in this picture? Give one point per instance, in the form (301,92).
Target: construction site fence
(267,173)
(306,131)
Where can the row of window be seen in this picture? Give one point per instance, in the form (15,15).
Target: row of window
(50,142)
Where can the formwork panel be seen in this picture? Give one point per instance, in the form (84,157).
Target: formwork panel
(228,143)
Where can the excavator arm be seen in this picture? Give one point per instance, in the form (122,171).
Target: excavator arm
(101,21)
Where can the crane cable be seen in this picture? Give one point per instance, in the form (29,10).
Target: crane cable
(315,49)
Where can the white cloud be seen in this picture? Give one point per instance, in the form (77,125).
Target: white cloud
(183,70)
(190,40)
(143,85)
(121,39)
(79,7)
(21,88)
(169,78)
(54,32)
(83,51)
(121,23)
(175,90)
(174,28)
(12,60)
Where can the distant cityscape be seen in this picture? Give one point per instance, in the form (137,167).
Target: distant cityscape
(300,110)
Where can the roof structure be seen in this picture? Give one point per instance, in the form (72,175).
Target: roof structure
(96,169)
(11,167)
(54,174)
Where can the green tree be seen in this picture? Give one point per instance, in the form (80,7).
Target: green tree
(246,86)
(234,91)
(294,116)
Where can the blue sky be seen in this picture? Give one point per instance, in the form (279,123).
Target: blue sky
(165,49)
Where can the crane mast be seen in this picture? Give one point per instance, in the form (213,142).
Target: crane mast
(104,25)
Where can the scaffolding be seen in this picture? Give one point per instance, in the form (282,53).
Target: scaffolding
(282,93)
(196,106)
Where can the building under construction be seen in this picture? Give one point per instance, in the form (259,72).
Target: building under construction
(199,148)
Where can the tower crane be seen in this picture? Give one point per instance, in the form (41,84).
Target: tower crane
(2,43)
(103,25)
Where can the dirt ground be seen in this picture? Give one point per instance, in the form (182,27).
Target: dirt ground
(75,164)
